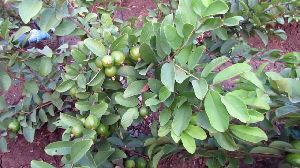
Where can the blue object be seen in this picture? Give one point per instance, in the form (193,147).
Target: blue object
(34,37)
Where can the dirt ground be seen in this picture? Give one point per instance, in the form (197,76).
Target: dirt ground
(22,152)
(291,44)
(14,93)
(135,8)
(179,161)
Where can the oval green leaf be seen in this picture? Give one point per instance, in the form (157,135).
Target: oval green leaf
(231,72)
(200,88)
(216,111)
(195,57)
(215,8)
(172,36)
(27,10)
(59,148)
(196,132)
(79,149)
(188,143)
(95,46)
(127,102)
(168,75)
(128,117)
(250,134)
(65,86)
(182,117)
(134,88)
(225,141)
(40,164)
(213,65)
(236,107)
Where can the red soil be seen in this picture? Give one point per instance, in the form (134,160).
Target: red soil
(21,152)
(135,9)
(291,44)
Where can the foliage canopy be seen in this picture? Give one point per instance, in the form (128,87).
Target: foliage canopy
(104,86)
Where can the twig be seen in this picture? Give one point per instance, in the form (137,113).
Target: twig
(134,152)
(183,44)
(35,76)
(43,105)
(187,72)
(80,25)
(11,52)
(178,50)
(37,107)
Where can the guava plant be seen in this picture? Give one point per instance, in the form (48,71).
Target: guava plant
(117,76)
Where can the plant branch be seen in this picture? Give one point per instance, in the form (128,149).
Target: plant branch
(134,152)
(43,105)
(183,44)
(74,20)
(187,72)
